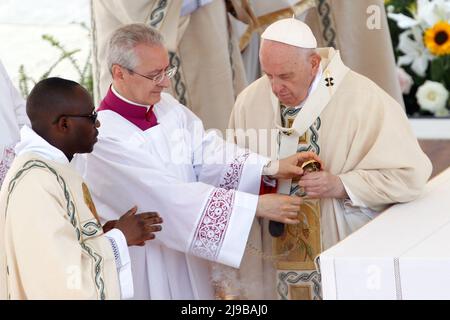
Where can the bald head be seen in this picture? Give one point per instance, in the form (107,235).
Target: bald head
(290,69)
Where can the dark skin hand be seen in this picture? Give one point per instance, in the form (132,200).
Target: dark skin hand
(137,228)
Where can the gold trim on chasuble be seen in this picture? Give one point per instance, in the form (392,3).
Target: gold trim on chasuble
(88,200)
(297,248)
(89,228)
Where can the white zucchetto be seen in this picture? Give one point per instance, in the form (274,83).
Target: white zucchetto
(292,32)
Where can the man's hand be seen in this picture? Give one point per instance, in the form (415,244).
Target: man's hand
(289,167)
(109,225)
(138,228)
(279,207)
(322,185)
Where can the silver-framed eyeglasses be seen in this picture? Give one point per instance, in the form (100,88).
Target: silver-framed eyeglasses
(169,73)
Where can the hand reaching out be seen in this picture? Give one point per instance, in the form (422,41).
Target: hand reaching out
(137,228)
(290,167)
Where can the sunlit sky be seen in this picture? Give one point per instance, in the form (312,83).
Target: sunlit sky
(44,12)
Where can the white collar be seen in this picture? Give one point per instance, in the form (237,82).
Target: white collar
(118,95)
(30,141)
(313,86)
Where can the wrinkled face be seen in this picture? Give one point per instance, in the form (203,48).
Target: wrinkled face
(289,70)
(133,85)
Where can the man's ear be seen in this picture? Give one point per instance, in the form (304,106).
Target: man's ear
(62,124)
(315,62)
(117,72)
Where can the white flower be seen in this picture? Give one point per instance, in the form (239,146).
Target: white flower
(444,112)
(405,80)
(432,96)
(431,12)
(411,43)
(416,54)
(403,21)
(428,14)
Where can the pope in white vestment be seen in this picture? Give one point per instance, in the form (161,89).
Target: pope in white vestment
(12,117)
(311,101)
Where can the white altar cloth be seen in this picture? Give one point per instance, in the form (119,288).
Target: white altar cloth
(404,253)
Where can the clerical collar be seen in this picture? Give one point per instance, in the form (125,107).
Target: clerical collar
(140,115)
(128,101)
(30,141)
(313,87)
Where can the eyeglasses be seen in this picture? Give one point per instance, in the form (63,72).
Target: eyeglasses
(160,76)
(92,116)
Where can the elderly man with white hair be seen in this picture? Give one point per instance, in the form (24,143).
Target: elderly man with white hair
(313,102)
(201,43)
(12,117)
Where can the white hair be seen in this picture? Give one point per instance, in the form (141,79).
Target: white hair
(306,52)
(125,39)
(302,53)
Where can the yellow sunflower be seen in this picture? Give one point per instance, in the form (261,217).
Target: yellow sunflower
(437,38)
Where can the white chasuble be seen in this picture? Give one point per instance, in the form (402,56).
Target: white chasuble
(52,245)
(205,190)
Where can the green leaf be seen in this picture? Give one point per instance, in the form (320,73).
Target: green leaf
(84,70)
(437,70)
